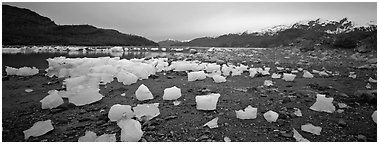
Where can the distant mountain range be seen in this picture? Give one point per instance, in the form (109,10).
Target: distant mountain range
(25,27)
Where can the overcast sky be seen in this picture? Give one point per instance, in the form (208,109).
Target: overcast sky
(186,21)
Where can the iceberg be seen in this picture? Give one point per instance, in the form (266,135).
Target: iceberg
(323,104)
(148,111)
(172,93)
(118,111)
(219,79)
(193,76)
(271,116)
(85,97)
(248,113)
(207,102)
(23,71)
(212,124)
(130,130)
(143,93)
(39,128)
(53,100)
(311,129)
(126,78)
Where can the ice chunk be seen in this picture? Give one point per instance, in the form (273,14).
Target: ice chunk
(298,137)
(352,75)
(123,94)
(265,71)
(226,139)
(311,129)
(271,116)
(371,80)
(117,49)
(53,100)
(323,73)
(323,104)
(342,105)
(118,111)
(143,93)
(276,76)
(23,71)
(149,111)
(106,138)
(126,78)
(88,137)
(280,68)
(288,77)
(268,83)
(212,124)
(172,93)
(236,72)
(86,96)
(226,70)
(130,130)
(219,79)
(212,67)
(298,112)
(200,75)
(253,72)
(176,103)
(207,102)
(38,129)
(28,90)
(374,116)
(248,113)
(307,74)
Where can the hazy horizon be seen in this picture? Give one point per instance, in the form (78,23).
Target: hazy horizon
(186,21)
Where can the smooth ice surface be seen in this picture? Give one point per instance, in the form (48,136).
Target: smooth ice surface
(126,78)
(143,93)
(148,111)
(248,113)
(106,138)
(53,100)
(311,129)
(118,111)
(85,97)
(374,116)
(307,74)
(23,71)
(298,137)
(89,136)
(323,104)
(212,124)
(199,75)
(130,130)
(288,77)
(207,102)
(276,76)
(271,116)
(172,93)
(218,79)
(38,129)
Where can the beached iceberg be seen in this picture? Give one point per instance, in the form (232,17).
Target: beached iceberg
(276,76)
(226,70)
(53,100)
(172,93)
(323,104)
(39,128)
(211,67)
(271,116)
(253,72)
(23,71)
(126,78)
(118,111)
(311,129)
(218,78)
(212,124)
(148,111)
(130,130)
(143,93)
(199,75)
(85,97)
(207,102)
(248,113)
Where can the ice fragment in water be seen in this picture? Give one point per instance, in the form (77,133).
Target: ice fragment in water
(276,76)
(311,129)
(38,129)
(271,116)
(323,104)
(371,80)
(143,93)
(207,102)
(86,96)
(248,113)
(23,71)
(126,78)
(193,76)
(212,124)
(53,100)
(130,130)
(219,79)
(307,74)
(118,111)
(268,83)
(298,137)
(298,112)
(288,77)
(106,138)
(88,137)
(172,93)
(374,116)
(28,90)
(148,110)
